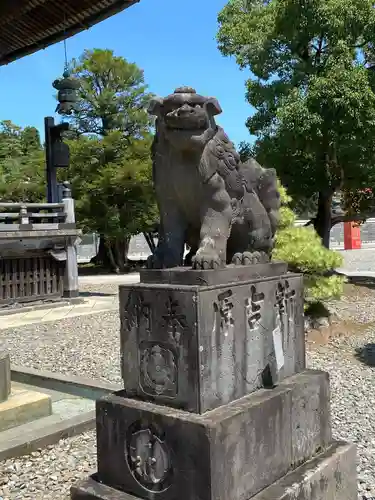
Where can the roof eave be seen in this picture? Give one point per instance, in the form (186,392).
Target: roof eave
(69,31)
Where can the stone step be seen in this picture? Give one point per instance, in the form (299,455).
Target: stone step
(22,407)
(35,434)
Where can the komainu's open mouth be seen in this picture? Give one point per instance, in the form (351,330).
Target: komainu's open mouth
(187,127)
(187,118)
(186,122)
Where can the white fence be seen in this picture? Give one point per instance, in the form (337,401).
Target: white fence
(89,246)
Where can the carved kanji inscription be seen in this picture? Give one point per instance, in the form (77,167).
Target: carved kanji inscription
(253,307)
(174,320)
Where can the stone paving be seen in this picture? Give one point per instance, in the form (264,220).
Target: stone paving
(109,279)
(359,260)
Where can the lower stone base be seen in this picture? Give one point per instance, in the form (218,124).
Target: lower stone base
(22,407)
(329,476)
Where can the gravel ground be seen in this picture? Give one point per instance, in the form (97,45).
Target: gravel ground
(359,260)
(86,346)
(103,289)
(89,346)
(352,401)
(48,474)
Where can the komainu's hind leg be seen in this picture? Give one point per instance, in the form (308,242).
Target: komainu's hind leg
(251,239)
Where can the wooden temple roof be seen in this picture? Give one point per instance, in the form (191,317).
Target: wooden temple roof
(27,26)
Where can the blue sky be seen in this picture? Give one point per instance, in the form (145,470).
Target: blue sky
(173,43)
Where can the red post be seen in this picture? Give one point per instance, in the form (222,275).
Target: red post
(352,236)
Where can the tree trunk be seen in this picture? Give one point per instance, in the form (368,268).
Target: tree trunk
(120,249)
(112,255)
(150,241)
(102,257)
(323,219)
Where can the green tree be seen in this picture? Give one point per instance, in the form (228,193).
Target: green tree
(30,140)
(22,176)
(302,249)
(110,158)
(113,191)
(112,95)
(313,92)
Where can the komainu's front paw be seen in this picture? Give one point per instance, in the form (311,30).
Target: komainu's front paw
(248,258)
(206,259)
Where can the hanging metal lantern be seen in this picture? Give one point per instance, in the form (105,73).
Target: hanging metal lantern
(67,93)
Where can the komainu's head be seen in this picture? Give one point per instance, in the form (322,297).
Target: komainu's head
(186,118)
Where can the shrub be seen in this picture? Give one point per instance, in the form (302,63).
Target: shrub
(302,249)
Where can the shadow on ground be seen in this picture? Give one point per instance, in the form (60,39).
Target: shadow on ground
(96,294)
(362,281)
(92,270)
(366,354)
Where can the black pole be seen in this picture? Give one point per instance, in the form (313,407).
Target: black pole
(49,123)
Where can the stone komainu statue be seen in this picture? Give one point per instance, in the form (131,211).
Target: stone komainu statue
(224,210)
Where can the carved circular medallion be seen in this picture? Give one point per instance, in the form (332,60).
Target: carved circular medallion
(158,370)
(149,459)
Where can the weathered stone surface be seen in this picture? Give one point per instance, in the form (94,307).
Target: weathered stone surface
(199,347)
(225,210)
(4,376)
(311,418)
(229,274)
(329,476)
(231,452)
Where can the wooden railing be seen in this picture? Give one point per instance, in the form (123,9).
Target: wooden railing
(38,216)
(31,213)
(30,278)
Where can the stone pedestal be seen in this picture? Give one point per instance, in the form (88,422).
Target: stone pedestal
(4,376)
(19,406)
(328,476)
(24,406)
(197,347)
(217,402)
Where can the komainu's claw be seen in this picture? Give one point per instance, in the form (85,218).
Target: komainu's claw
(206,260)
(237,259)
(249,258)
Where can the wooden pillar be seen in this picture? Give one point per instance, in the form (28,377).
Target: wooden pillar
(352,236)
